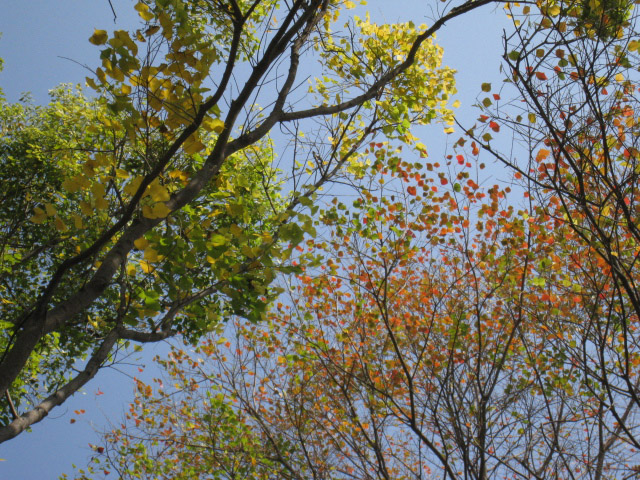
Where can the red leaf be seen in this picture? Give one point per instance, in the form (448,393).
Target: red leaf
(496,96)
(494,126)
(541,76)
(443,181)
(411,190)
(460,159)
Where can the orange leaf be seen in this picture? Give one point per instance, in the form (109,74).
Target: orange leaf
(542,154)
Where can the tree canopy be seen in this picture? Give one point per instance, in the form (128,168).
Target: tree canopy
(171,197)
(456,327)
(420,320)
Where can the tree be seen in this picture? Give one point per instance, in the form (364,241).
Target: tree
(160,206)
(427,346)
(578,120)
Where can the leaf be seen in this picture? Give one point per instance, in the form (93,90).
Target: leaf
(542,154)
(147,267)
(151,255)
(144,11)
(99,37)
(213,125)
(192,146)
(160,210)
(39,216)
(554,10)
(218,240)
(158,192)
(141,243)
(486,87)
(538,282)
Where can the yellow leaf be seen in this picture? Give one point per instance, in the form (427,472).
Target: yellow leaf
(60,226)
(192,146)
(86,209)
(101,75)
(101,203)
(160,210)
(70,185)
(141,243)
(449,130)
(554,11)
(132,187)
(99,37)
(532,118)
(90,82)
(146,212)
(157,192)
(213,125)
(120,173)
(39,215)
(143,11)
(150,255)
(98,190)
(235,230)
(147,267)
(178,174)
(619,77)
(77,221)
(51,210)
(131,269)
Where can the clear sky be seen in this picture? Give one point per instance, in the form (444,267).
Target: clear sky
(44,43)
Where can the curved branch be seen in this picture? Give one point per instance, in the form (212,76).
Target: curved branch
(33,416)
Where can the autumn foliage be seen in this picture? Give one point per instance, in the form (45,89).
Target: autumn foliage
(419,319)
(449,327)
(447,333)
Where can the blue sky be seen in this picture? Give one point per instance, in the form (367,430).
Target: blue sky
(44,43)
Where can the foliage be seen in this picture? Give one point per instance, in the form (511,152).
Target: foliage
(164,205)
(443,337)
(576,118)
(450,332)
